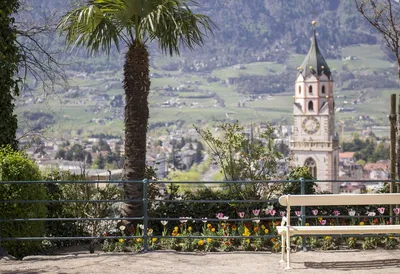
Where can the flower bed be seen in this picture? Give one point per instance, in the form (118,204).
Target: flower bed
(255,232)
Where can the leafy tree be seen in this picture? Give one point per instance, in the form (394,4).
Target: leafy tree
(9,61)
(102,23)
(241,158)
(100,162)
(15,166)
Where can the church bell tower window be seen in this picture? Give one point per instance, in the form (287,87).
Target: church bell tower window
(310,89)
(299,89)
(310,106)
(323,90)
(312,166)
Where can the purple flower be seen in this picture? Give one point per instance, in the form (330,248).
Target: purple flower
(298,213)
(267,211)
(282,213)
(256,212)
(314,212)
(396,210)
(323,222)
(219,215)
(381,210)
(241,214)
(336,212)
(272,212)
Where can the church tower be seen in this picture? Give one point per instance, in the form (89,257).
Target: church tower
(314,142)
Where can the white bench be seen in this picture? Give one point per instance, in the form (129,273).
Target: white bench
(286,230)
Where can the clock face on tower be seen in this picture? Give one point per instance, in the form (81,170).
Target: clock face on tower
(310,125)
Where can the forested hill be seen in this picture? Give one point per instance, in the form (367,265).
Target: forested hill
(251,30)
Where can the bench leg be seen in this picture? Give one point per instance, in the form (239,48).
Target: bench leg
(283,240)
(287,250)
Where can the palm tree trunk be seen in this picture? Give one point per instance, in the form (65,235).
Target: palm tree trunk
(136,86)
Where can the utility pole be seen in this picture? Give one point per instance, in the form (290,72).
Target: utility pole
(392,119)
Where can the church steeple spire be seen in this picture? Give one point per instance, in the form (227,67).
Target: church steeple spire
(314,63)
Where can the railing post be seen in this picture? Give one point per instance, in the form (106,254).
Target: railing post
(145,216)
(303,213)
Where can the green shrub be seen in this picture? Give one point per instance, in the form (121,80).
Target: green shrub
(15,166)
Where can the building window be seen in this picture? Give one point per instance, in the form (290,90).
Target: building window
(323,90)
(310,89)
(299,89)
(312,166)
(310,106)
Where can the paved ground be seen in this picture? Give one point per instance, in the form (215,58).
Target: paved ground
(380,261)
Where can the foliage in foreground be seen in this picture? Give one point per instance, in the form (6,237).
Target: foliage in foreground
(15,166)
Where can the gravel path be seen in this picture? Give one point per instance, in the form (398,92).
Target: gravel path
(377,261)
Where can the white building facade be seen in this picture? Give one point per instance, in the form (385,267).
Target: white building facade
(314,142)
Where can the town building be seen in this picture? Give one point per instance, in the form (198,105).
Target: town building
(314,142)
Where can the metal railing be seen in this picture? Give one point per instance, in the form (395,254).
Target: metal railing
(145,219)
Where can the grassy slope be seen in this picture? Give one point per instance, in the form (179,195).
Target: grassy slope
(268,109)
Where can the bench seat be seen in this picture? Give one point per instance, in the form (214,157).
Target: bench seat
(339,230)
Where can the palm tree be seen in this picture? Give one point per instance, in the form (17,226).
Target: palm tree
(102,24)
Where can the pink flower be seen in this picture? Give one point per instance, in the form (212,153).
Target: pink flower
(298,213)
(323,222)
(256,212)
(267,211)
(381,210)
(396,210)
(314,212)
(241,214)
(336,212)
(282,213)
(219,215)
(272,212)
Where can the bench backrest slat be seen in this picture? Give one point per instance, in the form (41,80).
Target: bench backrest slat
(340,199)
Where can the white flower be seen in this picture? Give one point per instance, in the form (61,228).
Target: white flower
(371,213)
(141,227)
(256,220)
(164,222)
(225,217)
(122,228)
(352,212)
(204,220)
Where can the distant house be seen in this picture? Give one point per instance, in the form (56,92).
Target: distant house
(377,171)
(346,158)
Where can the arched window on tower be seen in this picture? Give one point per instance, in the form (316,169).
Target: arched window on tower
(299,89)
(310,106)
(310,89)
(312,166)
(323,89)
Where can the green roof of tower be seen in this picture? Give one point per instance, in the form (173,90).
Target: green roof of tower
(314,63)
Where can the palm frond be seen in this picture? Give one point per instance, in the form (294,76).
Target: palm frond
(95,26)
(172,23)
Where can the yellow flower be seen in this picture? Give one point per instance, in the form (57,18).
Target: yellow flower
(150,230)
(361,223)
(200,242)
(190,228)
(266,231)
(213,229)
(248,241)
(319,218)
(139,240)
(276,246)
(209,240)
(327,238)
(307,224)
(176,228)
(154,240)
(246,232)
(209,226)
(121,240)
(263,227)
